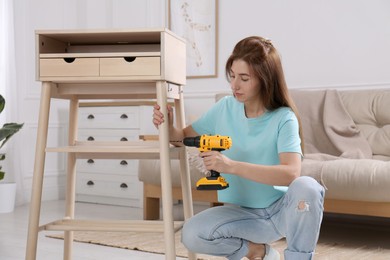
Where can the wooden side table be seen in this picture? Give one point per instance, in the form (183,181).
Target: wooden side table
(112,64)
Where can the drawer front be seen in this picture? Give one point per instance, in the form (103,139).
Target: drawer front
(109,117)
(141,66)
(124,167)
(69,67)
(111,135)
(109,185)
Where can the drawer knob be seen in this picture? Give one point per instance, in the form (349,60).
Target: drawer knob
(90,161)
(123,139)
(69,60)
(124,185)
(124,116)
(91,138)
(91,116)
(130,59)
(90,183)
(123,162)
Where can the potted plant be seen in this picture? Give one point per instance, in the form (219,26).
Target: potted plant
(7,190)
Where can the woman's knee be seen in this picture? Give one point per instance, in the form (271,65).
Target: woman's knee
(307,187)
(305,194)
(187,235)
(199,231)
(191,234)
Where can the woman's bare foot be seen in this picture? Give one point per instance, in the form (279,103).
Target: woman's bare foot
(256,251)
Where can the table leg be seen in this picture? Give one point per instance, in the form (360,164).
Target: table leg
(184,166)
(71,177)
(166,178)
(40,155)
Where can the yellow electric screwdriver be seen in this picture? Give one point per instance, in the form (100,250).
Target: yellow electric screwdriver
(210,143)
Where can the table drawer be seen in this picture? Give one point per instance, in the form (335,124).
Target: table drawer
(69,67)
(109,117)
(124,166)
(110,185)
(109,135)
(130,66)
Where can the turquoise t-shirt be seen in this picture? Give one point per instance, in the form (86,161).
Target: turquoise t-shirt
(254,140)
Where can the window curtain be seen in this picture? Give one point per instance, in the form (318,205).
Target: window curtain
(8,88)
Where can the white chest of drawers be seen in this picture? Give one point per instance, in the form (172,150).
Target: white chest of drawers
(111,181)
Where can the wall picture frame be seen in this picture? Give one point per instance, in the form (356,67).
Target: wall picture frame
(197,22)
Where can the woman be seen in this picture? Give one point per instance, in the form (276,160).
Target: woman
(266,199)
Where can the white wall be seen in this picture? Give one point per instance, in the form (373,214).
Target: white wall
(336,44)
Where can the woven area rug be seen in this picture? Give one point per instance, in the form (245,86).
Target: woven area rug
(335,243)
(146,242)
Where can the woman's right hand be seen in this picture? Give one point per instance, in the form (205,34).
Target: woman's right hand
(158,117)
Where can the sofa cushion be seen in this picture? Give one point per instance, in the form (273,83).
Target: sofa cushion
(351,179)
(369,109)
(327,126)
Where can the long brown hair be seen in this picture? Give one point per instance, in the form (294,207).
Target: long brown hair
(264,59)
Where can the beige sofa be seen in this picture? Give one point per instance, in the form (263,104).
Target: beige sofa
(347,149)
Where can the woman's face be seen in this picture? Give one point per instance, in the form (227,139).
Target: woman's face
(245,85)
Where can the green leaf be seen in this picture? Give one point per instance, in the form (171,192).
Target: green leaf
(2,103)
(2,157)
(7,131)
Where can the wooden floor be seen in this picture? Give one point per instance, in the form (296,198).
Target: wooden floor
(13,232)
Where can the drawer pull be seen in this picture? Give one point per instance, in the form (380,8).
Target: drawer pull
(124,116)
(90,161)
(123,162)
(124,185)
(69,60)
(123,139)
(91,116)
(91,138)
(130,59)
(90,183)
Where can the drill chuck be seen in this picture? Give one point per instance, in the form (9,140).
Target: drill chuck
(192,141)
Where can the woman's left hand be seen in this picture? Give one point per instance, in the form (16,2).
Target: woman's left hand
(214,160)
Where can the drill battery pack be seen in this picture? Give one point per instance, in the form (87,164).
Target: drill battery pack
(212,183)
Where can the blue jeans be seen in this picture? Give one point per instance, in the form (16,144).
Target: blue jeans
(227,230)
